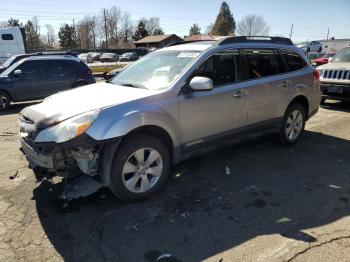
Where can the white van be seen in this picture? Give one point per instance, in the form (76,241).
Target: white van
(12,42)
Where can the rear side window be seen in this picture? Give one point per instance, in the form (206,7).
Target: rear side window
(295,61)
(263,63)
(222,68)
(61,67)
(7,36)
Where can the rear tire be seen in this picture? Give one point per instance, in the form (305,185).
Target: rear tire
(5,101)
(139,168)
(292,125)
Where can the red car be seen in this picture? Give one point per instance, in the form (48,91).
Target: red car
(322,60)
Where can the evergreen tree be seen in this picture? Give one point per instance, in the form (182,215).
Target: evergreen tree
(32,37)
(13,22)
(225,24)
(67,37)
(158,31)
(140,32)
(195,30)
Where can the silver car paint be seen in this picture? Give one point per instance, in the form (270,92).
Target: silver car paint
(191,117)
(188,119)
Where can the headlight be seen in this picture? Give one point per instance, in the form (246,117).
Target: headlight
(68,129)
(320,71)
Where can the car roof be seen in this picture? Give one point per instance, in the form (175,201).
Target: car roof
(52,57)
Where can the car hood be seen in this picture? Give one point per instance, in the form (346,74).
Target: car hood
(335,66)
(64,105)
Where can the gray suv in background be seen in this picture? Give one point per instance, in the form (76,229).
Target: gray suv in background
(174,103)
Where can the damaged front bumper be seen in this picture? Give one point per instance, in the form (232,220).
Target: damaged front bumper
(82,152)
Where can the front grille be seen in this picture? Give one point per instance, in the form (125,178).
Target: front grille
(337,74)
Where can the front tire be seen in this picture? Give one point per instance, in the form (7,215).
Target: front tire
(140,167)
(5,101)
(292,125)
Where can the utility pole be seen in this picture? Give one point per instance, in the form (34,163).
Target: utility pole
(327,33)
(291,31)
(106,33)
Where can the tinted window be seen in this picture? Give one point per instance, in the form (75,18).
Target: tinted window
(61,67)
(222,68)
(294,61)
(31,68)
(7,37)
(263,63)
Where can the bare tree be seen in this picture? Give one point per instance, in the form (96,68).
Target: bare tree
(114,16)
(3,24)
(126,27)
(36,24)
(50,36)
(252,25)
(152,25)
(209,29)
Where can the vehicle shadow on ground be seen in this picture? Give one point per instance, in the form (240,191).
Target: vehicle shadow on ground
(16,108)
(202,210)
(337,106)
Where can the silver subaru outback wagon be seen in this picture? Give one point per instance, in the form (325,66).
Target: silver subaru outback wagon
(172,104)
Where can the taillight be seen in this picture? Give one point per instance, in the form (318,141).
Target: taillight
(316,75)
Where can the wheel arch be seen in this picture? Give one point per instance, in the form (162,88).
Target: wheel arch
(110,148)
(300,99)
(7,93)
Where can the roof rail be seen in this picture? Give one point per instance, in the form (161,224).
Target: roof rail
(255,39)
(187,42)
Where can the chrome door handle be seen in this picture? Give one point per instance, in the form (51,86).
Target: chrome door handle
(239,94)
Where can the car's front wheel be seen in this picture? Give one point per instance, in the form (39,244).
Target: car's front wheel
(293,124)
(4,101)
(140,167)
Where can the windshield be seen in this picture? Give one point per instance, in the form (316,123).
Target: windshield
(11,68)
(342,57)
(156,70)
(9,61)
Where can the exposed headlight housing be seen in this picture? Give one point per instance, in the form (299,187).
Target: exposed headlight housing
(68,129)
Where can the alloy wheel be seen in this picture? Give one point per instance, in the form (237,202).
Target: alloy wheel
(294,125)
(142,170)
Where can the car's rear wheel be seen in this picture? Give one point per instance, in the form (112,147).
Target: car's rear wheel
(293,124)
(140,167)
(5,101)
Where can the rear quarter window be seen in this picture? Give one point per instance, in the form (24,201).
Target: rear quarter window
(264,63)
(294,61)
(7,36)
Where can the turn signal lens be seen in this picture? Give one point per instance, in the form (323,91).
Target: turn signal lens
(82,128)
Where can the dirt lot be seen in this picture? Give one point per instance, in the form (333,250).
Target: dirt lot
(277,204)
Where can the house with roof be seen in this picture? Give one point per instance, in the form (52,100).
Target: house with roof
(157,41)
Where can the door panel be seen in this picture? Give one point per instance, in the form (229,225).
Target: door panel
(210,116)
(60,75)
(32,83)
(268,88)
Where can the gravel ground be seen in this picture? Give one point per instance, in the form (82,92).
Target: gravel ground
(277,204)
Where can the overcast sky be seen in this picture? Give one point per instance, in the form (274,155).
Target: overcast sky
(311,19)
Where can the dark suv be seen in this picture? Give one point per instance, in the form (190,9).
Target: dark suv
(37,77)
(15,58)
